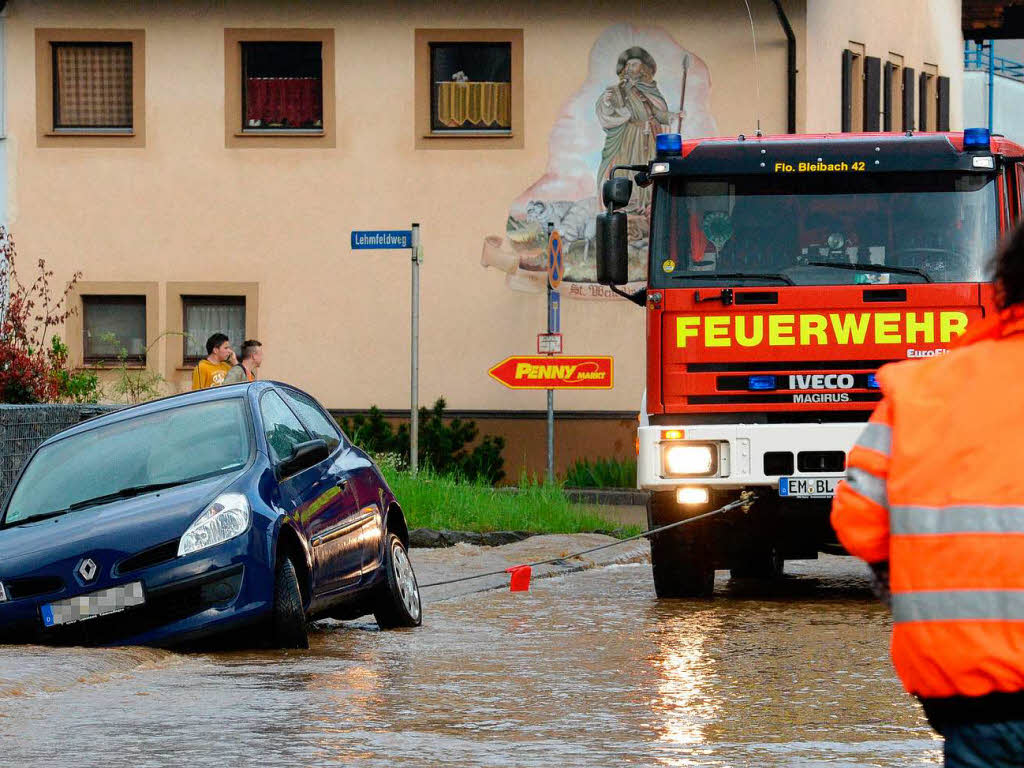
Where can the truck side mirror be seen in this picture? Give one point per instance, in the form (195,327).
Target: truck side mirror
(616,192)
(612,256)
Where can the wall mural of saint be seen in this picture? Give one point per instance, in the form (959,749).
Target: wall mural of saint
(640,83)
(632,113)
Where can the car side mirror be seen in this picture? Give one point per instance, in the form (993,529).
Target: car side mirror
(612,255)
(304,456)
(616,192)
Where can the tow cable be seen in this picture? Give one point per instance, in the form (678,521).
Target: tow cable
(520,579)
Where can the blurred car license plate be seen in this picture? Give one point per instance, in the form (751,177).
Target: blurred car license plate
(807,487)
(106,601)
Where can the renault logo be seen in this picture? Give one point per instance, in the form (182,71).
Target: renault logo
(88,569)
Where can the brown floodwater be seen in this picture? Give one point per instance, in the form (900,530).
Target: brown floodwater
(586,669)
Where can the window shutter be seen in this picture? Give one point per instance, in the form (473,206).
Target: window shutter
(887,105)
(943,91)
(922,102)
(846,119)
(908,99)
(872,93)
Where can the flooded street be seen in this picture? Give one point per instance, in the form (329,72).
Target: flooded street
(585,669)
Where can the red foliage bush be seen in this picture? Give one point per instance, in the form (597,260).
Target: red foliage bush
(28,314)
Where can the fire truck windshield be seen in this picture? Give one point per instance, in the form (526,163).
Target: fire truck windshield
(822,229)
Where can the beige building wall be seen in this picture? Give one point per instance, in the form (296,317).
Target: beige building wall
(186,207)
(921,31)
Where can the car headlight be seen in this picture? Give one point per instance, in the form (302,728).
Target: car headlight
(227,517)
(683,459)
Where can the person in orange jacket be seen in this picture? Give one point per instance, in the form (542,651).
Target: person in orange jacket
(933,500)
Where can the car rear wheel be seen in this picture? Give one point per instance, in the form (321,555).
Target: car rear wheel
(288,622)
(398,596)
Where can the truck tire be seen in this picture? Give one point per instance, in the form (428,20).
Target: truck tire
(766,564)
(682,565)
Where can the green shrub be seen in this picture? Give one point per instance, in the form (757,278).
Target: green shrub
(602,473)
(442,446)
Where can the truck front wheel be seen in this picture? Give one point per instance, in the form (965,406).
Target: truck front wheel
(682,565)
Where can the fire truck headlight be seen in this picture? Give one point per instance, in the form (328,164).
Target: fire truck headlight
(690,459)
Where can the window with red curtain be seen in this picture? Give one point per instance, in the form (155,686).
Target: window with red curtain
(282,86)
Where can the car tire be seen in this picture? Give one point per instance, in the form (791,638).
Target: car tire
(397,601)
(682,567)
(288,622)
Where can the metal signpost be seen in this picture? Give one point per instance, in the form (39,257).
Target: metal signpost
(391,239)
(554,327)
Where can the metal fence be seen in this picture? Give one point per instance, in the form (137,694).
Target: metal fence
(23,427)
(979,57)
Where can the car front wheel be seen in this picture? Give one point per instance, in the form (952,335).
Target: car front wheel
(397,602)
(288,622)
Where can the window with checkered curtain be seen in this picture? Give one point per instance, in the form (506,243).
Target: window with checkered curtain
(92,85)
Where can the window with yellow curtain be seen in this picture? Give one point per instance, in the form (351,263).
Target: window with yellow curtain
(92,85)
(471,87)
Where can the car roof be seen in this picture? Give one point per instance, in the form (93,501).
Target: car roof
(166,403)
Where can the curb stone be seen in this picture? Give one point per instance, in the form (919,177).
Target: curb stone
(434,565)
(428,538)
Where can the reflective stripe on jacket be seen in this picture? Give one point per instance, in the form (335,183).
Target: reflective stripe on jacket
(935,485)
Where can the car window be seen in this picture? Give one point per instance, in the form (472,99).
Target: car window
(174,445)
(284,431)
(314,418)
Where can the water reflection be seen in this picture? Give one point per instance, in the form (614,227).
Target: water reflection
(685,702)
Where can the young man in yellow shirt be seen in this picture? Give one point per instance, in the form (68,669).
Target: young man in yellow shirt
(219,359)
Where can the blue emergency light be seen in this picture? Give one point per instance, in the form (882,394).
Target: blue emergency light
(976,138)
(761,382)
(668,144)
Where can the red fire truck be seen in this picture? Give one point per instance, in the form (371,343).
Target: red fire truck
(782,272)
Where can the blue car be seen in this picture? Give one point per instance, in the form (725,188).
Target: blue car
(240,510)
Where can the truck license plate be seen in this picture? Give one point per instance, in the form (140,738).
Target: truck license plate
(807,487)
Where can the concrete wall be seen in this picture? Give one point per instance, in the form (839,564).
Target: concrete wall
(921,31)
(1007,101)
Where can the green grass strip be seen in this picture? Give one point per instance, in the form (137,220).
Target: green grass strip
(448,503)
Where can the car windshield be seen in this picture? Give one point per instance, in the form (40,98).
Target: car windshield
(161,449)
(823,229)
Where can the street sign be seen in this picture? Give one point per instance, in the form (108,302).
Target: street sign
(549,343)
(555,260)
(388,239)
(554,312)
(530,372)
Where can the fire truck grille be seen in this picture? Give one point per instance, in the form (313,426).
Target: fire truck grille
(742,383)
(784,367)
(755,398)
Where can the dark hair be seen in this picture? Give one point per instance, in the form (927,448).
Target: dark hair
(215,341)
(249,347)
(1008,269)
